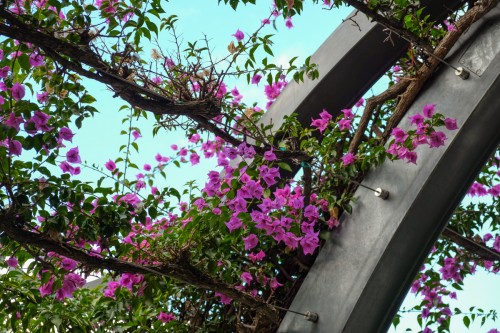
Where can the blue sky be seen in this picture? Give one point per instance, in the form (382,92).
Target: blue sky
(100,137)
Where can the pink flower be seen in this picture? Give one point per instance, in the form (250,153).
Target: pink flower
(449,26)
(396,68)
(437,139)
(359,103)
(274,283)
(70,284)
(14,121)
(136,134)
(234,223)
(417,119)
(166,317)
(66,134)
(349,158)
(110,165)
(72,156)
(269,155)
(450,124)
(68,168)
(15,147)
(320,123)
(147,167)
(309,243)
(4,72)
(247,277)
(36,60)
(288,22)
(411,157)
(68,264)
(194,138)
(429,110)
(42,97)
(257,257)
(174,147)
(223,298)
(110,290)
(194,158)
(256,78)
(17,91)
(347,113)
(496,243)
(250,242)
(239,35)
(399,135)
(46,289)
(12,262)
(40,119)
(344,124)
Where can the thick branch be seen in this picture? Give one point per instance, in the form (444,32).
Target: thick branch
(179,270)
(81,54)
(478,249)
(391,93)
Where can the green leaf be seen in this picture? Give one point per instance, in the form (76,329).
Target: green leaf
(466,321)
(285,166)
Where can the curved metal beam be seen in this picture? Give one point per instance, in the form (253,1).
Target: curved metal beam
(362,274)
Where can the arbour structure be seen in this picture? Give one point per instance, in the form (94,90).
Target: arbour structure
(362,274)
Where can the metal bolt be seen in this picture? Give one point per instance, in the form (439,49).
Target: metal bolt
(381,193)
(312,316)
(462,73)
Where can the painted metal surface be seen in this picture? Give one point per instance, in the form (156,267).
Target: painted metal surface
(363,273)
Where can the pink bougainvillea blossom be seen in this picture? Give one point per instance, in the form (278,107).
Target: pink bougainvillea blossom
(234,223)
(223,298)
(166,317)
(250,242)
(4,72)
(257,256)
(36,60)
(288,22)
(110,165)
(70,283)
(437,139)
(15,147)
(322,122)
(42,97)
(68,168)
(72,156)
(247,277)
(14,121)
(429,110)
(68,264)
(348,158)
(66,134)
(399,135)
(111,289)
(417,119)
(239,35)
(46,289)
(18,91)
(12,262)
(136,134)
(450,124)
(256,78)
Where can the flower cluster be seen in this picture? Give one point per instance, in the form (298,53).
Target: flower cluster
(404,143)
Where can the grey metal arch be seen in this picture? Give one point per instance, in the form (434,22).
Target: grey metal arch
(364,271)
